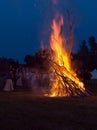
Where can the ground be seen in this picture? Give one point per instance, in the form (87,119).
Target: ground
(21,110)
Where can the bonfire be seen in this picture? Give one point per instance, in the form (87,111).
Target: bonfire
(63,80)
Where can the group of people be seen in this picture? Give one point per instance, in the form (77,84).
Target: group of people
(25,78)
(11,79)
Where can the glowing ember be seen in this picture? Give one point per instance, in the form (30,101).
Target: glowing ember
(64,81)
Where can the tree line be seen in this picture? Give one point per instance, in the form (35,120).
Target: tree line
(5,63)
(83,62)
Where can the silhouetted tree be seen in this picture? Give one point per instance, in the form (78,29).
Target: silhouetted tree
(93,53)
(5,64)
(40,60)
(29,60)
(93,44)
(43,57)
(81,60)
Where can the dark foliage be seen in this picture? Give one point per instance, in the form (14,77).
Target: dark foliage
(85,60)
(5,64)
(93,53)
(40,60)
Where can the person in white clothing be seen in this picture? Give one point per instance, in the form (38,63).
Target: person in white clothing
(9,83)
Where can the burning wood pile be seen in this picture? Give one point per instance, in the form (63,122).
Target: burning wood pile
(63,83)
(63,80)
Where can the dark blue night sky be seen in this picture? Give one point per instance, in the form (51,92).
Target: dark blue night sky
(24,24)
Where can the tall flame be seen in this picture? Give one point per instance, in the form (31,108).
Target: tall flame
(62,58)
(57,43)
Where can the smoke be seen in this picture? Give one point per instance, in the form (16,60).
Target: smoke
(55,1)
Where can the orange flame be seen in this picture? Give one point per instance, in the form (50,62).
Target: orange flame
(62,58)
(57,42)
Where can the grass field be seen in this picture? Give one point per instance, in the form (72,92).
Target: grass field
(25,111)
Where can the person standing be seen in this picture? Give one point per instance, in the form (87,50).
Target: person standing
(9,83)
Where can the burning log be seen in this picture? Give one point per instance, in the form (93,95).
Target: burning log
(64,85)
